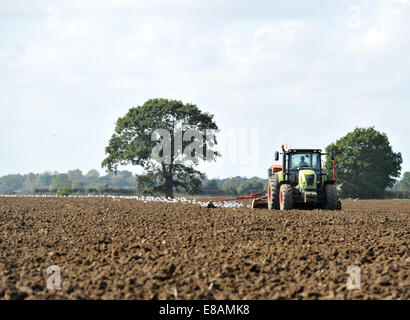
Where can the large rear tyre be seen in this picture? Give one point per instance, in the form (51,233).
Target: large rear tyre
(285,197)
(331,197)
(273,193)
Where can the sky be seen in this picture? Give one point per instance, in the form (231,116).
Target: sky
(303,73)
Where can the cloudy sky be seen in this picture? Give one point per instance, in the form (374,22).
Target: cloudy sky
(298,72)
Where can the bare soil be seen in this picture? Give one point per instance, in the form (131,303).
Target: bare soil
(129,249)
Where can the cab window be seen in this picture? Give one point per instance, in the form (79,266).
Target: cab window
(304,160)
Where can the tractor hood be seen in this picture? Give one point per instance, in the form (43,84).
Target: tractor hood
(307,179)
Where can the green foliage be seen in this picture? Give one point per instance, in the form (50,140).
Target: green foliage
(77,185)
(366,165)
(126,183)
(404,183)
(29,183)
(11,183)
(210,187)
(131,144)
(91,177)
(149,184)
(44,183)
(253,185)
(75,175)
(60,181)
(63,192)
(234,186)
(121,179)
(43,180)
(101,187)
(231,186)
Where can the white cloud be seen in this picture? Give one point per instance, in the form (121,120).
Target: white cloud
(53,17)
(385,31)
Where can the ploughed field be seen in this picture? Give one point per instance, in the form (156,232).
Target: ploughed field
(128,249)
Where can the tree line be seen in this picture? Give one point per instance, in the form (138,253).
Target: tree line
(401,189)
(122,182)
(125,182)
(71,182)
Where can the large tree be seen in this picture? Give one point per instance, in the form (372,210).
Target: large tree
(167,138)
(365,163)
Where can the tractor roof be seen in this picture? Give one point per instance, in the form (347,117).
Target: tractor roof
(304,150)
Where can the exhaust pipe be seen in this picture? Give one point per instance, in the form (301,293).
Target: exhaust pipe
(284,162)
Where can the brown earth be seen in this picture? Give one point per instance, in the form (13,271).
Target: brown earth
(127,249)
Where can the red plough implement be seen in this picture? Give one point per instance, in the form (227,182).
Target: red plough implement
(257,200)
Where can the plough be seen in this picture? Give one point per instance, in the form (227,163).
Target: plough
(257,200)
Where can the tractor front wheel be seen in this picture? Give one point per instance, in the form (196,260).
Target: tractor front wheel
(286,197)
(331,197)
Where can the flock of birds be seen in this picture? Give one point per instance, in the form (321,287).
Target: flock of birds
(145,199)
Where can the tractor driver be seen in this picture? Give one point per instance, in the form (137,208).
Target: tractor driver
(303,163)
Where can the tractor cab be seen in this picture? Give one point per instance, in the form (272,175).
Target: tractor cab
(304,159)
(306,162)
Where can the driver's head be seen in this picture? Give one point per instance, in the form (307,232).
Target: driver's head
(303,158)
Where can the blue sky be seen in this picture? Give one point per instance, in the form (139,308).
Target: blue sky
(298,72)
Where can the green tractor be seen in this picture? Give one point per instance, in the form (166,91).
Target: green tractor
(301,181)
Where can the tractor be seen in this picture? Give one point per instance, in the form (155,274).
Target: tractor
(301,182)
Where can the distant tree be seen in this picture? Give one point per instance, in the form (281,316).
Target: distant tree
(101,187)
(77,185)
(366,164)
(132,143)
(63,191)
(43,180)
(91,177)
(404,183)
(123,179)
(29,183)
(11,183)
(75,175)
(252,185)
(210,187)
(230,186)
(60,182)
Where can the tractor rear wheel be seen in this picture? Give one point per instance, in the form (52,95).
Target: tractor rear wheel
(273,193)
(286,197)
(331,197)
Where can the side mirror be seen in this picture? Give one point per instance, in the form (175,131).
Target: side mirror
(276,156)
(333,155)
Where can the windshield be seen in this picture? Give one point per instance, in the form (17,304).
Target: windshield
(304,160)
